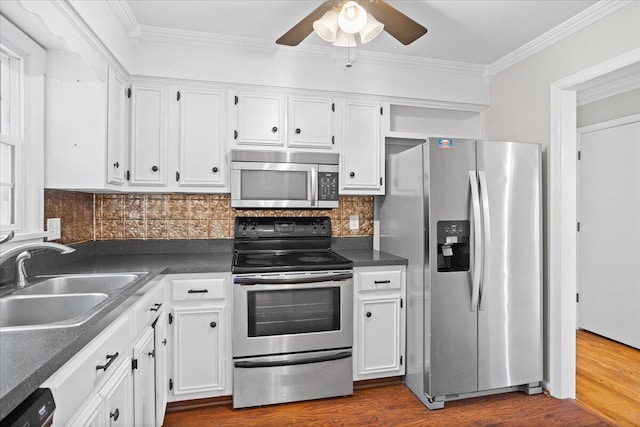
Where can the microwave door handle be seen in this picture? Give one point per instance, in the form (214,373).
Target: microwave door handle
(313,182)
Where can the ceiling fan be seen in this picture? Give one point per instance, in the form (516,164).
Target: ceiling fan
(397,24)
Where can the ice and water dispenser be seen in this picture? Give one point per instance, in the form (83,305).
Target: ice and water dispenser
(453,246)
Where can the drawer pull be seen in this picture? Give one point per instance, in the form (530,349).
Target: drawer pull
(110,359)
(156,306)
(380,282)
(198,291)
(115,414)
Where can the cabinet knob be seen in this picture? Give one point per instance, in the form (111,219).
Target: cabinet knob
(213,324)
(154,168)
(352,174)
(298,130)
(368,314)
(274,129)
(115,414)
(116,165)
(164,341)
(215,170)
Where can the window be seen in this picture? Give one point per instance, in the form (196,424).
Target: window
(11,71)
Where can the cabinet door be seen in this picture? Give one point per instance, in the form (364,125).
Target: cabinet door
(161,360)
(201,138)
(144,395)
(116,128)
(118,396)
(378,336)
(362,148)
(260,119)
(91,415)
(148,135)
(199,340)
(311,122)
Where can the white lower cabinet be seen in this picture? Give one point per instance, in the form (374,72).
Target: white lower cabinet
(200,325)
(118,396)
(379,323)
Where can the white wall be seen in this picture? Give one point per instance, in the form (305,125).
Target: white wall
(613,107)
(520,95)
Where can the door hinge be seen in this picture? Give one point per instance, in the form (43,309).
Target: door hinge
(170,318)
(380,180)
(333,107)
(128,175)
(170,384)
(577,297)
(578,227)
(177,176)
(235,134)
(235,100)
(178,96)
(134,364)
(381,111)
(401,303)
(579,155)
(333,139)
(128,92)
(401,360)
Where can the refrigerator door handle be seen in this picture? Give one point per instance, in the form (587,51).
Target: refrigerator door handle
(486,222)
(477,241)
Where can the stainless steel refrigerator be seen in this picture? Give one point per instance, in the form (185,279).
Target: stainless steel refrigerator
(467,215)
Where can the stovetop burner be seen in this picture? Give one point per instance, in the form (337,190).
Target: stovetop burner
(263,245)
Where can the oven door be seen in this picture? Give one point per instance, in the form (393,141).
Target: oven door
(273,185)
(292,312)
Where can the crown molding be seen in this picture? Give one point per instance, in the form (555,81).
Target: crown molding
(125,15)
(234,43)
(585,18)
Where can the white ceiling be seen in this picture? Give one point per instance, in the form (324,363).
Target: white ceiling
(473,31)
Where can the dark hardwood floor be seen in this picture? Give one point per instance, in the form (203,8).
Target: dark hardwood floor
(608,378)
(395,405)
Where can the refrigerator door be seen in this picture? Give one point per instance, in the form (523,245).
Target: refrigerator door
(510,303)
(451,339)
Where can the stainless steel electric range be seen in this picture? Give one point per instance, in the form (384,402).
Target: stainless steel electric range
(292,312)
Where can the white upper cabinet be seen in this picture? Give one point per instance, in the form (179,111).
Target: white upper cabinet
(362,160)
(259,119)
(116,128)
(148,135)
(201,136)
(312,122)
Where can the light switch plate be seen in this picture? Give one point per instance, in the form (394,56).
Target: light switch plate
(354,222)
(53,228)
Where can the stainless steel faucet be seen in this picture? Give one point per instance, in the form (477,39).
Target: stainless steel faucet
(23,254)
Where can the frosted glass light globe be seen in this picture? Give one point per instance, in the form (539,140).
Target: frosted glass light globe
(352,17)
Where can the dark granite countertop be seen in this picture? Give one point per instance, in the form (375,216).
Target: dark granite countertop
(28,358)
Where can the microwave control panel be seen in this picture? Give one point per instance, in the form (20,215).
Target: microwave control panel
(327,186)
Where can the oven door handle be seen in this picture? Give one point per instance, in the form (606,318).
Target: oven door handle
(291,279)
(319,359)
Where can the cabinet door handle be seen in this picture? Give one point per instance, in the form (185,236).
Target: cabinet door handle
(197,291)
(156,306)
(368,314)
(164,341)
(115,414)
(154,168)
(352,174)
(378,282)
(152,353)
(215,170)
(274,129)
(116,165)
(298,130)
(213,324)
(110,359)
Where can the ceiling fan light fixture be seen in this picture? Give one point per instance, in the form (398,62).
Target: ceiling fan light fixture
(345,39)
(327,26)
(371,29)
(352,18)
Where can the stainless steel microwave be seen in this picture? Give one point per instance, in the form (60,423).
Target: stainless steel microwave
(277,179)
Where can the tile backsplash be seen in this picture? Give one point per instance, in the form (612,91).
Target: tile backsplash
(179,216)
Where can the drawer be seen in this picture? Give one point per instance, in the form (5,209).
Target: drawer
(198,289)
(77,379)
(379,280)
(147,308)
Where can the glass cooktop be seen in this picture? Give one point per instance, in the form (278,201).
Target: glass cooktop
(289,261)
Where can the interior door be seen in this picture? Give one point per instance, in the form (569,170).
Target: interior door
(609,236)
(510,303)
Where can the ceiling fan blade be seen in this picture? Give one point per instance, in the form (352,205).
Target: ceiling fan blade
(302,29)
(396,23)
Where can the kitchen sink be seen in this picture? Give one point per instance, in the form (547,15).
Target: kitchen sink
(78,283)
(19,312)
